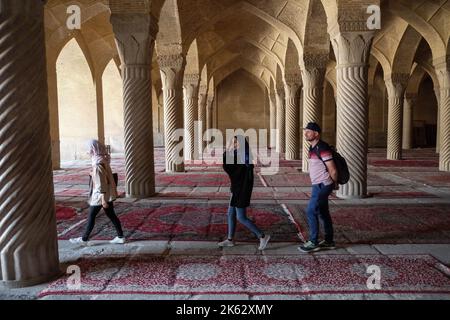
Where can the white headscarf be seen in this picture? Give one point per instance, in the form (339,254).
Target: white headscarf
(97,151)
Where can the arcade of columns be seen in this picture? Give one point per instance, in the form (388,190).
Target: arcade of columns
(294,68)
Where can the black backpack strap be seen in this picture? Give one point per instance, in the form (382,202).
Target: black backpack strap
(318,155)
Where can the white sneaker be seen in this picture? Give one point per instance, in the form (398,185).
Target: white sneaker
(263,242)
(226,243)
(117,240)
(79,241)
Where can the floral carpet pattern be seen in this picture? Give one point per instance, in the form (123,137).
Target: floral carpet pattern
(262,275)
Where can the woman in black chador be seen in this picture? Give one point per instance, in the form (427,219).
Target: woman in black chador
(238,164)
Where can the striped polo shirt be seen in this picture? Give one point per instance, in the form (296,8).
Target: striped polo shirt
(317,170)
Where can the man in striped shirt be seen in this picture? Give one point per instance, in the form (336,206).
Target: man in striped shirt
(323,174)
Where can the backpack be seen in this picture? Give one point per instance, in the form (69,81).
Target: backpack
(341,166)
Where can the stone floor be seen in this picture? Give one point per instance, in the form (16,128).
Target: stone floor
(414,183)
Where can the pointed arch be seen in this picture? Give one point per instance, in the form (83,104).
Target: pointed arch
(77,102)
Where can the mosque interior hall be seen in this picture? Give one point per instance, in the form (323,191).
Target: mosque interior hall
(164,85)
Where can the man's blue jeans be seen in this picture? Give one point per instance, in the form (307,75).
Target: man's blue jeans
(318,209)
(242,217)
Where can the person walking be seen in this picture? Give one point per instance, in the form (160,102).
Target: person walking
(103,193)
(238,164)
(324,177)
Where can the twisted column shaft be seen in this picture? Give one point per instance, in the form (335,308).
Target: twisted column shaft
(352,53)
(135,37)
(408,108)
(203,121)
(313,78)
(172,69)
(28,239)
(190,88)
(209,115)
(396,86)
(273,120)
(443,73)
(281,121)
(293,83)
(437,93)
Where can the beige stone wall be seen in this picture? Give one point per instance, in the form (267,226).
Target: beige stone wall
(76,102)
(241,103)
(426,107)
(158,118)
(329,115)
(113,108)
(425,116)
(378,114)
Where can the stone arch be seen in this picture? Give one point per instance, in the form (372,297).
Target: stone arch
(424,28)
(292,61)
(204,80)
(169,39)
(113,107)
(84,48)
(239,110)
(246,7)
(242,63)
(330,75)
(406,51)
(77,102)
(316,38)
(241,45)
(192,61)
(382,60)
(417,75)
(253,43)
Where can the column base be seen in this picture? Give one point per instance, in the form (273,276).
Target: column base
(175,168)
(31,282)
(345,197)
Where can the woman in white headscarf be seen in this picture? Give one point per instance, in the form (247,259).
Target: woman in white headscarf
(103,192)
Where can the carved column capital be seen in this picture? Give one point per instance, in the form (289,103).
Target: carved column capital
(135,36)
(396,84)
(352,48)
(171,67)
(292,83)
(191,85)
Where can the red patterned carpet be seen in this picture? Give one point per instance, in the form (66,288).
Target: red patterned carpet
(178,222)
(384,224)
(435,179)
(255,275)
(404,163)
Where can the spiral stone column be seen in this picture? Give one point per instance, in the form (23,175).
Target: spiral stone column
(190,89)
(135,37)
(313,75)
(273,120)
(209,115)
(172,70)
(437,93)
(408,108)
(293,83)
(203,119)
(443,73)
(28,239)
(352,54)
(396,86)
(281,119)
(52,83)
